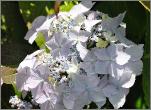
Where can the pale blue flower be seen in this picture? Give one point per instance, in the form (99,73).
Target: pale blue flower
(84,89)
(81,8)
(60,45)
(79,36)
(116,96)
(40,24)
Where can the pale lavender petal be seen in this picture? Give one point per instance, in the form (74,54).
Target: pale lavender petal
(38,21)
(111,24)
(135,66)
(97,95)
(84,6)
(52,44)
(101,67)
(119,99)
(101,54)
(135,51)
(88,67)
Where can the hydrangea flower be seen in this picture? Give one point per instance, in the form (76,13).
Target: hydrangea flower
(46,25)
(60,45)
(90,59)
(83,91)
(40,24)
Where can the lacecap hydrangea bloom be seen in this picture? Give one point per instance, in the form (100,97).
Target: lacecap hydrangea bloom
(90,60)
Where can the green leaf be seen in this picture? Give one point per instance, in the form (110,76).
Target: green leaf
(67,6)
(40,40)
(17,92)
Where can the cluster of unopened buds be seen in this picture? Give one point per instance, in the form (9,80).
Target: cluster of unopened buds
(89,60)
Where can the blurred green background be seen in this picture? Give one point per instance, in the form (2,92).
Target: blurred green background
(16,19)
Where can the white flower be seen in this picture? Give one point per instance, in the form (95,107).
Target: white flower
(43,24)
(59,45)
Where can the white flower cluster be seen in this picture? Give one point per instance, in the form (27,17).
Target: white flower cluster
(90,59)
(18,103)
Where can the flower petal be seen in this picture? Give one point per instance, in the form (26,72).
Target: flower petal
(38,22)
(68,102)
(101,54)
(46,24)
(136,66)
(110,90)
(97,95)
(82,50)
(101,67)
(90,23)
(122,58)
(111,24)
(135,51)
(84,6)
(88,67)
(119,99)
